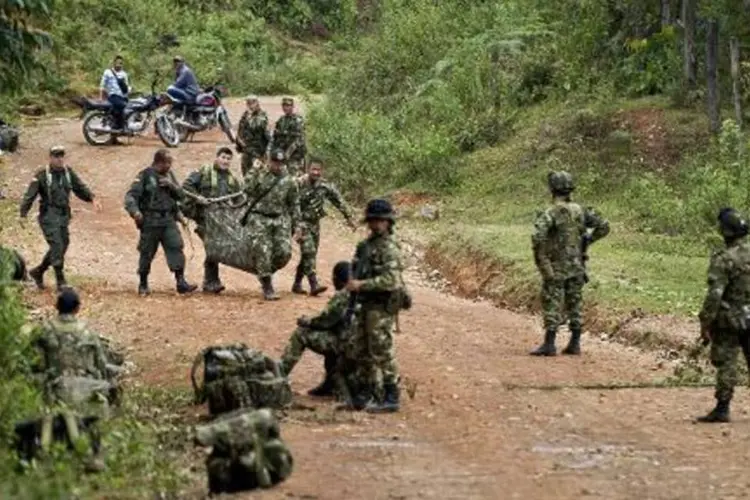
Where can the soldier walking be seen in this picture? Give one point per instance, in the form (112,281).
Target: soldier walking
(273,217)
(252,134)
(210,181)
(725,316)
(289,136)
(561,237)
(314,191)
(53,185)
(152,202)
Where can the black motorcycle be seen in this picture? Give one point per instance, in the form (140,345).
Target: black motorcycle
(99,120)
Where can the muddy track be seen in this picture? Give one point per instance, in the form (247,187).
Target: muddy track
(464,434)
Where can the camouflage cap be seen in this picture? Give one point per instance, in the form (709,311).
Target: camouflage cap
(732,224)
(560,182)
(287,100)
(57,150)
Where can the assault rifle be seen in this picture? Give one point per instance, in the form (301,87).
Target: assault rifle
(359,272)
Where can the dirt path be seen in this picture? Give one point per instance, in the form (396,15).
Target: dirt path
(463,435)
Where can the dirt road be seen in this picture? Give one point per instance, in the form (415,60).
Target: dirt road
(463,435)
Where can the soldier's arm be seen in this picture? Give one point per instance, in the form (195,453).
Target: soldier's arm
(133,196)
(299,132)
(242,126)
(542,227)
(175,190)
(599,224)
(337,201)
(31,193)
(193,182)
(389,279)
(333,313)
(718,278)
(293,203)
(79,188)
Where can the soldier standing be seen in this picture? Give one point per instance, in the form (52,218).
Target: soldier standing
(377,279)
(211,181)
(289,136)
(273,217)
(561,237)
(725,316)
(314,191)
(152,202)
(53,185)
(252,134)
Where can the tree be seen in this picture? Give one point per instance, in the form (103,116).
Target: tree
(20,40)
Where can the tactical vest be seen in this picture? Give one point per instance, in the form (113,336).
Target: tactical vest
(210,180)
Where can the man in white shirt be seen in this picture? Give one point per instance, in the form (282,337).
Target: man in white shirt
(115,88)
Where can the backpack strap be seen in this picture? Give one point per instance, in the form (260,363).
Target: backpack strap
(48,173)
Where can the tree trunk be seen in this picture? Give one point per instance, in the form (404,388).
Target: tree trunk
(688,44)
(666,18)
(712,56)
(734,51)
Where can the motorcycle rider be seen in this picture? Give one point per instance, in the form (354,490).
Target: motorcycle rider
(114,88)
(185,87)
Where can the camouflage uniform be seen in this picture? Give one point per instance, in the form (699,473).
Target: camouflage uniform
(559,235)
(273,219)
(70,349)
(725,316)
(289,136)
(160,209)
(252,131)
(210,182)
(313,195)
(53,187)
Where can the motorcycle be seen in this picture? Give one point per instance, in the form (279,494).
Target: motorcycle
(206,113)
(98,119)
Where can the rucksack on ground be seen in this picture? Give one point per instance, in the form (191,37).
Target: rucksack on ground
(235,376)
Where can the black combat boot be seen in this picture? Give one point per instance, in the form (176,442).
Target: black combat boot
(315,287)
(37,274)
(211,281)
(183,286)
(143,288)
(297,286)
(268,292)
(390,402)
(720,414)
(548,348)
(60,278)
(358,401)
(327,387)
(574,346)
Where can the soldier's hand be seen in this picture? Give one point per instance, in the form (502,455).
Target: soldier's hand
(138,218)
(165,182)
(354,285)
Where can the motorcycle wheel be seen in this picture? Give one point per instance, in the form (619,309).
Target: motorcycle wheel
(225,124)
(94,120)
(167,131)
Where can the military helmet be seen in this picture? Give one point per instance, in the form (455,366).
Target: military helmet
(379,209)
(278,155)
(732,224)
(67,300)
(560,182)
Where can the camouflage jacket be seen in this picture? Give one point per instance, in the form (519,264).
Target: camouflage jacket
(211,182)
(157,204)
(252,132)
(558,237)
(289,136)
(68,348)
(377,262)
(281,201)
(331,318)
(312,198)
(727,300)
(53,187)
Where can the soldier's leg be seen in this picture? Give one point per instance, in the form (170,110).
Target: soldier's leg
(300,272)
(725,347)
(281,241)
(356,367)
(211,281)
(37,273)
(383,355)
(310,262)
(263,230)
(173,245)
(148,244)
(60,269)
(294,350)
(552,298)
(53,234)
(574,307)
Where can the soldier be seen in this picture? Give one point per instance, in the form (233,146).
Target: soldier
(322,333)
(53,184)
(289,136)
(559,242)
(274,214)
(211,181)
(252,134)
(377,273)
(314,191)
(152,202)
(725,316)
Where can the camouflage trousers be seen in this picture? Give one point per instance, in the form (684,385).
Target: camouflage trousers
(248,158)
(725,348)
(57,237)
(274,239)
(369,350)
(169,237)
(560,298)
(322,342)
(308,246)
